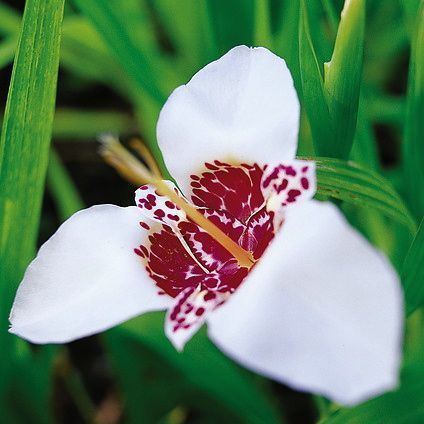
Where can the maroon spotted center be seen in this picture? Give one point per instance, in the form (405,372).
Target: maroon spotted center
(185,261)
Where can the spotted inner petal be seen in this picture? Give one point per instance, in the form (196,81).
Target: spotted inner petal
(246,202)
(189,312)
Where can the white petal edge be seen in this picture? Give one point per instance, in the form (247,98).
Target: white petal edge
(86,278)
(240,108)
(321,312)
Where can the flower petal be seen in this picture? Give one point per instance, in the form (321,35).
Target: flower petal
(189,312)
(86,278)
(321,311)
(242,107)
(159,208)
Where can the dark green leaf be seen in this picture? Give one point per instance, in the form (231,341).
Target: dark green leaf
(355,184)
(24,147)
(413,272)
(207,368)
(342,78)
(313,95)
(414,123)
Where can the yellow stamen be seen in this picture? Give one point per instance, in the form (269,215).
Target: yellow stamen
(116,155)
(145,154)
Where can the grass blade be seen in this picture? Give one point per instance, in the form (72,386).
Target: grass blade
(76,124)
(25,138)
(413,146)
(313,95)
(183,19)
(24,147)
(110,19)
(67,199)
(413,272)
(342,78)
(262,25)
(7,50)
(10,21)
(355,184)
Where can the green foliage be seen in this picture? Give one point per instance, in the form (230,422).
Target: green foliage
(24,147)
(348,70)
(205,366)
(414,122)
(331,93)
(355,184)
(413,272)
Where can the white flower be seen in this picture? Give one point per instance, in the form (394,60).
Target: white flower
(320,310)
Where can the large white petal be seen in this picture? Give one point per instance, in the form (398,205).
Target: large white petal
(322,311)
(86,278)
(241,108)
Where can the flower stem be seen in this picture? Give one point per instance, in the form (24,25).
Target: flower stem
(119,157)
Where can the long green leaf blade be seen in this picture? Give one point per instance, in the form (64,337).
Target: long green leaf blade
(262,25)
(355,184)
(313,87)
(414,123)
(24,147)
(413,272)
(25,139)
(343,78)
(109,18)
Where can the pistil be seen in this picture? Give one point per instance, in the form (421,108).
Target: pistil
(125,162)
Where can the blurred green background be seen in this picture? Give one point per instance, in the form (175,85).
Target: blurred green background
(118,61)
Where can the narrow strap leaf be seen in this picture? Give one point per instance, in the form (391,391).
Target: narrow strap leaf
(413,272)
(342,78)
(355,184)
(413,146)
(24,150)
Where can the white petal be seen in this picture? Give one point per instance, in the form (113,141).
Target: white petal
(86,278)
(240,108)
(322,311)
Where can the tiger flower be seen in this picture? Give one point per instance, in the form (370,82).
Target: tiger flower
(286,286)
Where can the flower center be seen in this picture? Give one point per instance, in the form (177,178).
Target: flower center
(123,159)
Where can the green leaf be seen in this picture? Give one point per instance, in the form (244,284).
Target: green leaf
(413,272)
(10,21)
(342,80)
(285,41)
(7,50)
(85,54)
(145,377)
(413,145)
(24,147)
(262,25)
(111,19)
(232,21)
(313,95)
(62,188)
(88,124)
(181,21)
(204,366)
(355,184)
(152,76)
